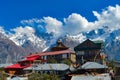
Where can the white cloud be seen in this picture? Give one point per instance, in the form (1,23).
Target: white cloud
(76,23)
(48,23)
(31,21)
(24,30)
(109,17)
(52,25)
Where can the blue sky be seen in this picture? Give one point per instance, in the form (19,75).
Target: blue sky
(70,16)
(13,11)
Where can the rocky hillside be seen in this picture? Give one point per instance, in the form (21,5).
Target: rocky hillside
(9,51)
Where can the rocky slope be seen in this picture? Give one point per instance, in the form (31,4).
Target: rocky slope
(9,51)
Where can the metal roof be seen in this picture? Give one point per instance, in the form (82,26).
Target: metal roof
(53,53)
(87,45)
(91,77)
(17,66)
(59,67)
(4,65)
(92,65)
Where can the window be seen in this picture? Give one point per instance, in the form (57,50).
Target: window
(64,56)
(80,52)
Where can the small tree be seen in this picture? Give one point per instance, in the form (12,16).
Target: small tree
(52,60)
(66,61)
(2,75)
(44,76)
(111,64)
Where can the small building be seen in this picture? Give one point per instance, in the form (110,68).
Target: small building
(89,71)
(94,67)
(88,51)
(58,56)
(18,67)
(61,52)
(61,55)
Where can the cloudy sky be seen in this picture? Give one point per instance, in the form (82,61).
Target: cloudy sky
(59,16)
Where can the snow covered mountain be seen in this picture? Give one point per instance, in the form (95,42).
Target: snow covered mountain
(36,42)
(9,51)
(29,40)
(110,38)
